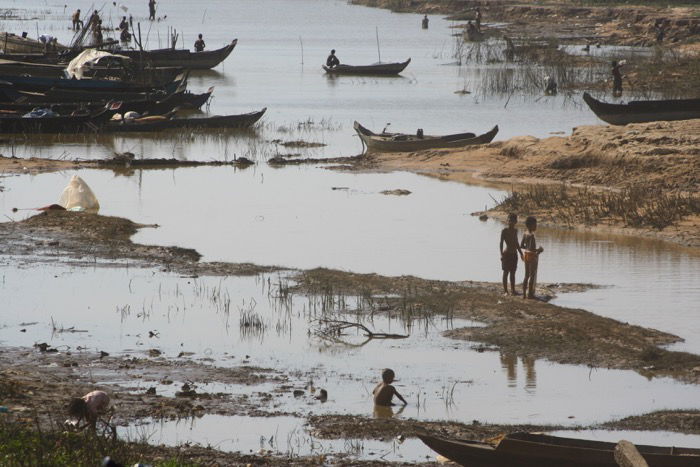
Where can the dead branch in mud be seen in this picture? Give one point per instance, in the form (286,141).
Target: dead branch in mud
(331,329)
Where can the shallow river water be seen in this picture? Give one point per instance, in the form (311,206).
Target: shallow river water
(304,217)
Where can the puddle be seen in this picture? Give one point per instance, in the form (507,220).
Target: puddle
(279,436)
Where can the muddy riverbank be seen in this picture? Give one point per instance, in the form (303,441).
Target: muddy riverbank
(654,160)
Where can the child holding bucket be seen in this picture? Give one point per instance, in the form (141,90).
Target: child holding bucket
(531,254)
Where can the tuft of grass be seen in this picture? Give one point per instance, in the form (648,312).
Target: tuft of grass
(637,206)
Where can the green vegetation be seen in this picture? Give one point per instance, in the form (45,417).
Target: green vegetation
(22,443)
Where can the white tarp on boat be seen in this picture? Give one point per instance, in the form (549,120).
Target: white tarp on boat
(87,58)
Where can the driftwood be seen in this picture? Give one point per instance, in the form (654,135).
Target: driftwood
(626,455)
(332,329)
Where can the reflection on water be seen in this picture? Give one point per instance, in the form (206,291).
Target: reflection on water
(509,363)
(281,436)
(383,411)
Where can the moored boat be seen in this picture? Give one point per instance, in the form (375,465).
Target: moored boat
(181,57)
(402,142)
(52,123)
(540,450)
(374,69)
(644,111)
(156,123)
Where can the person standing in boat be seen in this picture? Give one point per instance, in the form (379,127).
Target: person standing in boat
(424,23)
(151,10)
(332,61)
(617,77)
(77,22)
(199,44)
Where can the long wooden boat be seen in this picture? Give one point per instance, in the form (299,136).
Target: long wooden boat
(380,69)
(151,124)
(87,121)
(150,104)
(539,450)
(644,111)
(39,84)
(401,142)
(181,57)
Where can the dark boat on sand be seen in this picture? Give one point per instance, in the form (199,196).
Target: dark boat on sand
(644,111)
(160,123)
(85,121)
(181,57)
(539,450)
(380,69)
(401,142)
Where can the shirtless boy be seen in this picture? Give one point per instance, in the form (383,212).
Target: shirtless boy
(509,255)
(384,391)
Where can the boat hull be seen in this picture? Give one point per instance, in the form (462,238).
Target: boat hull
(644,111)
(408,143)
(181,57)
(216,122)
(530,450)
(379,69)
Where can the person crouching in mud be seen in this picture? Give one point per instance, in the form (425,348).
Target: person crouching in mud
(88,408)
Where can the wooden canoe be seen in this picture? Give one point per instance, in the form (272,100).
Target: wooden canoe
(216,122)
(380,69)
(181,57)
(539,450)
(643,111)
(400,142)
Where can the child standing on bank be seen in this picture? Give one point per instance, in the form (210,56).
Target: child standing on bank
(509,255)
(531,256)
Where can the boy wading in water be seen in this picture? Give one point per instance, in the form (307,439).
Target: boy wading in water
(384,391)
(531,255)
(509,255)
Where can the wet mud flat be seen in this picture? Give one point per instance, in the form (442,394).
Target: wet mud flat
(147,385)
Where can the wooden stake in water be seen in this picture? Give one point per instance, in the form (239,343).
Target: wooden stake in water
(379,54)
(302,50)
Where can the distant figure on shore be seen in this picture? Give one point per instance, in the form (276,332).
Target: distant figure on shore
(332,61)
(550,86)
(384,392)
(89,407)
(509,255)
(77,22)
(477,19)
(531,255)
(152,10)
(660,29)
(424,22)
(124,24)
(617,77)
(199,44)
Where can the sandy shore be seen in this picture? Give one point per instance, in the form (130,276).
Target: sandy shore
(660,156)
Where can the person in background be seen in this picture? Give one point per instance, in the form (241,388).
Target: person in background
(424,23)
(332,61)
(199,44)
(531,255)
(617,77)
(384,392)
(151,10)
(77,22)
(477,19)
(509,254)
